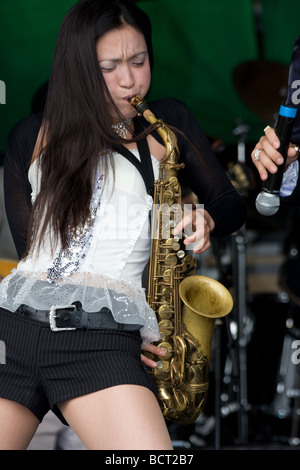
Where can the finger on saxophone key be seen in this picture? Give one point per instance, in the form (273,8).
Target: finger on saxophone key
(179,234)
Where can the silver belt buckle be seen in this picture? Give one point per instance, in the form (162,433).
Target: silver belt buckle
(52,317)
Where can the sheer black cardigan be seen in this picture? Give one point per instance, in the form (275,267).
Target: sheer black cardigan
(202,173)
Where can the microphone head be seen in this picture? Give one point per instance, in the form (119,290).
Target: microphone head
(267,203)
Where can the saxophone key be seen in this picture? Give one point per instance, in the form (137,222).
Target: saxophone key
(181,254)
(167,275)
(165,312)
(176,246)
(171,259)
(173,243)
(166,328)
(162,368)
(167,347)
(173,181)
(165,294)
(168,196)
(190,259)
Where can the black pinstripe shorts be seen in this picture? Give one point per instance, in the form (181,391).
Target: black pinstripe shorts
(43,368)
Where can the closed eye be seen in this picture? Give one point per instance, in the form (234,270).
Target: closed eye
(108,69)
(137,60)
(138,64)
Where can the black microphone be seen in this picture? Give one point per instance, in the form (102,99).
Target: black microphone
(268,200)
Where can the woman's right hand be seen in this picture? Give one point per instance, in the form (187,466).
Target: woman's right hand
(157,351)
(265,155)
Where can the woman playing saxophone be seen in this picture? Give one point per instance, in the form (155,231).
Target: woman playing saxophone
(74,314)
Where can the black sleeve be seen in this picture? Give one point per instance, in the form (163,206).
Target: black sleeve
(17,190)
(203,173)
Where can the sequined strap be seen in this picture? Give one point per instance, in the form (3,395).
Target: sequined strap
(68,261)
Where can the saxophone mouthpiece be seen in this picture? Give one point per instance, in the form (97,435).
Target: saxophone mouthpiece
(134,100)
(139,104)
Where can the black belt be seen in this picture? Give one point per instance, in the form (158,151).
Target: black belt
(72,317)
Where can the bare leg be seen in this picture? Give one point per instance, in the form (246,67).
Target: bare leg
(18,425)
(121,417)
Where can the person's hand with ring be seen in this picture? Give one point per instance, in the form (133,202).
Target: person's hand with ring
(265,155)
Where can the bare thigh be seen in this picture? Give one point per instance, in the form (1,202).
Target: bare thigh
(18,425)
(120,417)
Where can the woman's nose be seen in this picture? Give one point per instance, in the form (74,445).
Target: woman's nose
(126,77)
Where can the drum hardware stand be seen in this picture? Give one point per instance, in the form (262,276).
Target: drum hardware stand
(218,379)
(239,275)
(242,131)
(294,439)
(287,400)
(219,324)
(239,242)
(237,347)
(236,371)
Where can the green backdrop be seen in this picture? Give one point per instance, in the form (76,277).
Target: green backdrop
(197,44)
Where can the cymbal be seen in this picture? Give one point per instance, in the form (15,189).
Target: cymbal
(262,85)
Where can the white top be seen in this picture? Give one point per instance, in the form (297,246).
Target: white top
(109,260)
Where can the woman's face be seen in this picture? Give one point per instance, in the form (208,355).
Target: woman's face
(124,61)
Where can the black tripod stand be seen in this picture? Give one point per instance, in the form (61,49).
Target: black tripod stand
(235,373)
(237,341)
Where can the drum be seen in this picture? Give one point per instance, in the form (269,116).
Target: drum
(6,266)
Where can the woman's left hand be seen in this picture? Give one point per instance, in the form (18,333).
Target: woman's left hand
(202,225)
(154,350)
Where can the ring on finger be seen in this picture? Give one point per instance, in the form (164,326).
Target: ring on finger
(256,154)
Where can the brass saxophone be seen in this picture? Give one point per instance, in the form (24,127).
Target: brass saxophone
(186,305)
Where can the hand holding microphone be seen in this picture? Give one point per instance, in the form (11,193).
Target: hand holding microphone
(268,200)
(275,148)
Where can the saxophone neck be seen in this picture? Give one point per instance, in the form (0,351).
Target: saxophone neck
(167,135)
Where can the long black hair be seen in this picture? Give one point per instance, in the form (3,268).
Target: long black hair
(77,124)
